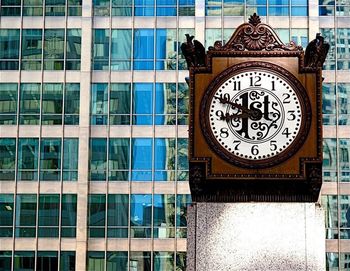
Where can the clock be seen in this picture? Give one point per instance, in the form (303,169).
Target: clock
(255,114)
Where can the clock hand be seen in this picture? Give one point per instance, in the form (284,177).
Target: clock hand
(224,101)
(229,117)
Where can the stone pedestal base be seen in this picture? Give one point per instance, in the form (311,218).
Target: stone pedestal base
(255,236)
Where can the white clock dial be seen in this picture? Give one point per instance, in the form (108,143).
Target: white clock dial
(255,114)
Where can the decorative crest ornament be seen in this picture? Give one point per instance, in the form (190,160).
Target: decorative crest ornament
(255,36)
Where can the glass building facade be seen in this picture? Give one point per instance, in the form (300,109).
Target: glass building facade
(93,126)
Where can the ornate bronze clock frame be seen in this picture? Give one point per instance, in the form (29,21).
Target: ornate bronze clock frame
(283,164)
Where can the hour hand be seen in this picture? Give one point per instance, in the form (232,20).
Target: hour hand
(229,117)
(235,105)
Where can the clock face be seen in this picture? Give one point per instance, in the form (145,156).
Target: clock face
(254,115)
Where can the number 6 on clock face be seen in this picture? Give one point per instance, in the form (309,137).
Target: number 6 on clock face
(255,114)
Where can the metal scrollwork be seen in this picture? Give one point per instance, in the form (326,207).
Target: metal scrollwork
(255,36)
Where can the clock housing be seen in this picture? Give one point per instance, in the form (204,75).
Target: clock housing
(218,172)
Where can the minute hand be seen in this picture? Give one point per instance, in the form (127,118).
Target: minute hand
(224,101)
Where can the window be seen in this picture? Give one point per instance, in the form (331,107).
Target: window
(164,216)
(164,159)
(141,160)
(182,203)
(140,260)
(32,7)
(31,49)
(100,50)
(143,49)
(55,7)
(144,7)
(99,104)
(165,103)
(117,260)
(47,260)
(67,261)
(121,49)
(140,215)
(52,104)
(329,160)
(72,104)
(122,8)
(119,105)
(8,104)
(26,205)
(182,159)
(98,159)
(166,49)
(119,159)
(96,260)
(48,215)
(54,49)
(117,214)
(5,260)
(7,159)
(24,260)
(10,7)
(6,214)
(9,48)
(142,103)
(50,159)
(163,261)
(329,35)
(97,216)
(330,204)
(28,150)
(73,50)
(68,215)
(29,111)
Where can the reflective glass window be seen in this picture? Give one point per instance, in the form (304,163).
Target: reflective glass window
(29,109)
(72,104)
(48,215)
(163,216)
(165,104)
(67,261)
(23,260)
(97,216)
(119,159)
(164,159)
(144,7)
(343,48)
(119,103)
(6,214)
(117,215)
(121,49)
(47,260)
(140,260)
(53,49)
(52,103)
(143,49)
(73,49)
(5,260)
(186,7)
(122,7)
(68,217)
(182,203)
(344,159)
(329,36)
(26,205)
(101,7)
(182,65)
(344,218)
(8,103)
(343,103)
(28,150)
(166,49)
(328,103)
(70,159)
(100,50)
(99,104)
(300,36)
(50,159)
(117,261)
(182,159)
(55,7)
(344,262)
(142,103)
(9,49)
(11,8)
(7,159)
(32,7)
(140,216)
(180,261)
(329,160)
(163,261)
(32,47)
(98,159)
(95,261)
(182,103)
(74,7)
(330,204)
(141,161)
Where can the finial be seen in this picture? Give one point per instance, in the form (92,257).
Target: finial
(254,19)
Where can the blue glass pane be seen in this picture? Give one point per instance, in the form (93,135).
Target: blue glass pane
(278,11)
(186,2)
(299,11)
(143,98)
(166,2)
(256,2)
(233,2)
(143,44)
(28,151)
(142,153)
(144,2)
(299,2)
(166,11)
(141,210)
(278,2)
(144,11)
